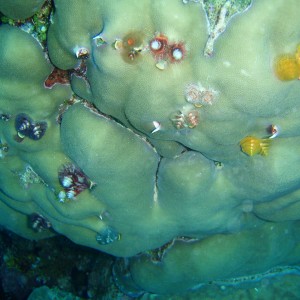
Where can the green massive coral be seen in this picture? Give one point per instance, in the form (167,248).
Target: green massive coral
(140,156)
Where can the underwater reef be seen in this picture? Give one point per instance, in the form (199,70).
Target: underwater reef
(165,133)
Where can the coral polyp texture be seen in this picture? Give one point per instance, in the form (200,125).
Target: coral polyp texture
(134,132)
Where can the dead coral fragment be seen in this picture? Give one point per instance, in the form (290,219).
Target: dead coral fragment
(57,76)
(218,14)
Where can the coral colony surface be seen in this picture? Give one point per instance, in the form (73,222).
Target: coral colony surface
(165,133)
